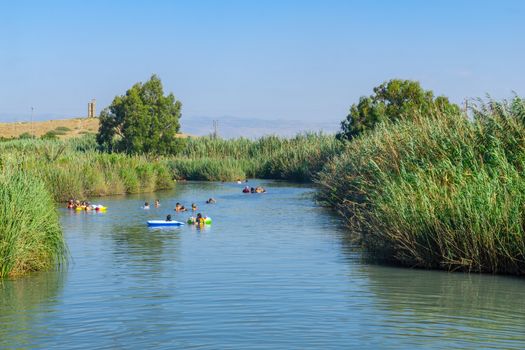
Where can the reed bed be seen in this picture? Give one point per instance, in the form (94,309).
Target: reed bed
(76,168)
(437,191)
(270,157)
(71,174)
(30,233)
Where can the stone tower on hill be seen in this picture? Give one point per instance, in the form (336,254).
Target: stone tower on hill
(92,108)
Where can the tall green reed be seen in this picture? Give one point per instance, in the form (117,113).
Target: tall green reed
(436,191)
(30,233)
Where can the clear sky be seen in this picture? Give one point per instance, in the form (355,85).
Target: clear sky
(297,60)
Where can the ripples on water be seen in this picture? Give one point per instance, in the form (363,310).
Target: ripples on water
(273,271)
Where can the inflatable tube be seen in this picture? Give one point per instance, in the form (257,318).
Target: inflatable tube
(97,207)
(207,221)
(164,223)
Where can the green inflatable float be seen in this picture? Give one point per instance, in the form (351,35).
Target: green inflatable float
(192,221)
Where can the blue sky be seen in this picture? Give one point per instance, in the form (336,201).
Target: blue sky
(295,60)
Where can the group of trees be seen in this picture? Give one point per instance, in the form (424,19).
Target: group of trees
(144,120)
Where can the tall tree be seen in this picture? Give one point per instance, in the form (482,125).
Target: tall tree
(141,121)
(391,100)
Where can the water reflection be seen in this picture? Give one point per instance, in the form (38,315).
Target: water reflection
(24,302)
(144,245)
(436,307)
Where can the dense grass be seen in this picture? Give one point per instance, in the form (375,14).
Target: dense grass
(437,191)
(30,234)
(74,169)
(270,157)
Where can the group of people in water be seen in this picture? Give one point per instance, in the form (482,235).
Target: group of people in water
(179,207)
(198,220)
(76,204)
(257,189)
(146,204)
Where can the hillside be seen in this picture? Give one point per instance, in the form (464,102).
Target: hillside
(64,128)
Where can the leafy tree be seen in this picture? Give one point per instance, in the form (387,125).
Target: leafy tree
(141,121)
(391,100)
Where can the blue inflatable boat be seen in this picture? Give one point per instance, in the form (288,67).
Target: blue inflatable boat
(164,223)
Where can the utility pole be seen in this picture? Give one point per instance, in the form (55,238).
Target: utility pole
(215,129)
(32,109)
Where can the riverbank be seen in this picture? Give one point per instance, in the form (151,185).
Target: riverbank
(437,191)
(75,168)
(30,234)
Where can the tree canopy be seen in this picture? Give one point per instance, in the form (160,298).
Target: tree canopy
(141,121)
(391,100)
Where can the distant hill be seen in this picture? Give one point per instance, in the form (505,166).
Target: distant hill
(231,127)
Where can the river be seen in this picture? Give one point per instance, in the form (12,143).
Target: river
(274,271)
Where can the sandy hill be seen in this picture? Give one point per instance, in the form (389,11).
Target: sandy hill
(63,128)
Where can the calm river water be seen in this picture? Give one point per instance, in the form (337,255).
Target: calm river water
(274,271)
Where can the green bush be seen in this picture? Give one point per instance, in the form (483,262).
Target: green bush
(50,135)
(25,135)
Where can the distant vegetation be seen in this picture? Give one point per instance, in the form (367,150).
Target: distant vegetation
(270,157)
(76,168)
